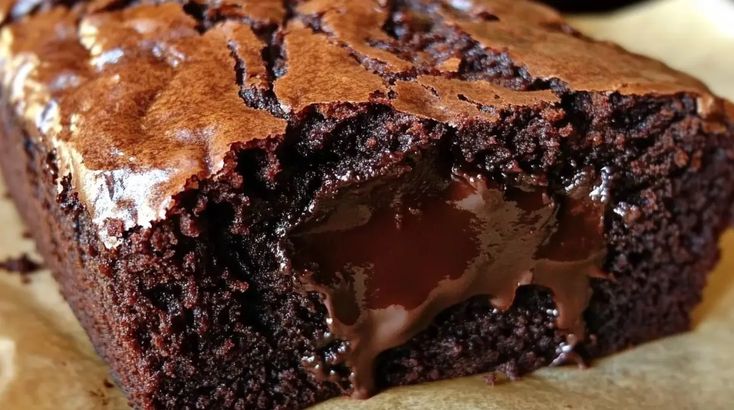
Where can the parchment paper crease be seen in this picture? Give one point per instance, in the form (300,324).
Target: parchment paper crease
(46,361)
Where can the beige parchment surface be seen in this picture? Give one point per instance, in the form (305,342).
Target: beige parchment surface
(46,361)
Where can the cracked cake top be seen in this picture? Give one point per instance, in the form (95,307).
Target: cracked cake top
(142,99)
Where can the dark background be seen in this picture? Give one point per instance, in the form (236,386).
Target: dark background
(588,5)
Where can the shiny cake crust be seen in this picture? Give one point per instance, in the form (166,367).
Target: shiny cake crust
(164,156)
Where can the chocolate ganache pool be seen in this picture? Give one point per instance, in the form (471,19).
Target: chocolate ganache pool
(387,259)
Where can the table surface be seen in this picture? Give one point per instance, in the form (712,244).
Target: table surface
(46,361)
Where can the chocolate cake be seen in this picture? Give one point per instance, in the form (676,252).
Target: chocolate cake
(266,204)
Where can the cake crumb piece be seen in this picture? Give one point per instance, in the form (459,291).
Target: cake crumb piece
(22,265)
(491,379)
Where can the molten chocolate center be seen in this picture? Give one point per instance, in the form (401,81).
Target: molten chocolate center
(387,270)
(395,258)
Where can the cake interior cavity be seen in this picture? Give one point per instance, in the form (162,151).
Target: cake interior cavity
(389,255)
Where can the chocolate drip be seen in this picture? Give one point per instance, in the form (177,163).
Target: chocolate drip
(386,272)
(574,253)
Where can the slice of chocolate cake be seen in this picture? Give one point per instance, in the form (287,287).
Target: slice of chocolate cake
(265,204)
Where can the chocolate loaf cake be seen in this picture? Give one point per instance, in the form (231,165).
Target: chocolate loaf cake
(266,204)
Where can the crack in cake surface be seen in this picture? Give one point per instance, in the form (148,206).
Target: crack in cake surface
(172,43)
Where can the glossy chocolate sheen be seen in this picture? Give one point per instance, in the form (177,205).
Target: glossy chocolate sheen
(102,82)
(388,259)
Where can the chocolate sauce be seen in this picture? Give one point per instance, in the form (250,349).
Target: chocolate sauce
(574,252)
(386,271)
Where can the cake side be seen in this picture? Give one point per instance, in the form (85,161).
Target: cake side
(209,306)
(176,333)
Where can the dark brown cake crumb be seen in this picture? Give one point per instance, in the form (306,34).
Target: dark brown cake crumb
(22,265)
(491,379)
